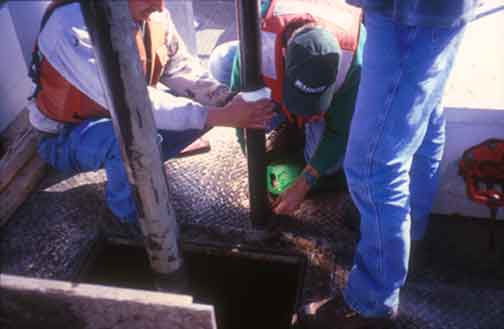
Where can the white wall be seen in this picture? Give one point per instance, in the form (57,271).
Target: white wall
(15,86)
(465,128)
(26,16)
(183,17)
(19,24)
(474,103)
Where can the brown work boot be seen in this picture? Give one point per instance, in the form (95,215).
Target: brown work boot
(199,146)
(333,313)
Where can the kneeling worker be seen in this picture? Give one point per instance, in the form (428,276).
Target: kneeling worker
(69,104)
(311,61)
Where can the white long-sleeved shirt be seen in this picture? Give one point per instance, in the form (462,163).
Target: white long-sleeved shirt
(66,45)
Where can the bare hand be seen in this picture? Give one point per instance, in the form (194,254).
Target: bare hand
(241,114)
(290,200)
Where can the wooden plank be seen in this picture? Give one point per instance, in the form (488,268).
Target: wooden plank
(20,149)
(20,123)
(15,193)
(36,303)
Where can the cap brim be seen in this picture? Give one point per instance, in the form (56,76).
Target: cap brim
(300,103)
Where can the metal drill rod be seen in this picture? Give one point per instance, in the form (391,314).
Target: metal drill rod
(247,16)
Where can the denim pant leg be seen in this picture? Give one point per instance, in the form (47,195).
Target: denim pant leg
(89,146)
(220,63)
(92,145)
(425,173)
(403,77)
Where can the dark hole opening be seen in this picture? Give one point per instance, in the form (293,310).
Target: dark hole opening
(248,289)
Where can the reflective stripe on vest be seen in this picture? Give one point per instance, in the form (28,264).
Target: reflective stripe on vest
(342,20)
(59,100)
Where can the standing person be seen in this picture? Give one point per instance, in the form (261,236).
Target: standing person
(70,105)
(311,61)
(394,150)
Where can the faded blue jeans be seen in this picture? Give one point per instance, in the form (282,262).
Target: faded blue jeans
(92,145)
(394,150)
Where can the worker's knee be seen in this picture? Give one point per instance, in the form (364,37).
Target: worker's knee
(56,151)
(220,63)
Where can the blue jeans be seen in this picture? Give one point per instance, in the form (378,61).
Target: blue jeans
(220,63)
(92,145)
(394,150)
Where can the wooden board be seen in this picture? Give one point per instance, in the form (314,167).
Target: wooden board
(20,123)
(18,190)
(20,167)
(36,303)
(19,151)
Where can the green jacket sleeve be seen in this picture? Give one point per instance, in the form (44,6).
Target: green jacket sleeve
(234,84)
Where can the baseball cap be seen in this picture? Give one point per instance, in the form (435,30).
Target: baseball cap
(311,66)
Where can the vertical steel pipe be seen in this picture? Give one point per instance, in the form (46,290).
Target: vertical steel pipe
(247,17)
(112,32)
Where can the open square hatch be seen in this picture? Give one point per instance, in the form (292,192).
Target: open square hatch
(249,288)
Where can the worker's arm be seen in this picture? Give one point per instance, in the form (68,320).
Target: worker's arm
(290,200)
(191,88)
(330,151)
(185,77)
(65,43)
(179,113)
(331,148)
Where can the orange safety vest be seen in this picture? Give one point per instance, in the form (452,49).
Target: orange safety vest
(59,100)
(339,18)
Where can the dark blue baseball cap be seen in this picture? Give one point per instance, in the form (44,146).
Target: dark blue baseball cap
(311,66)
